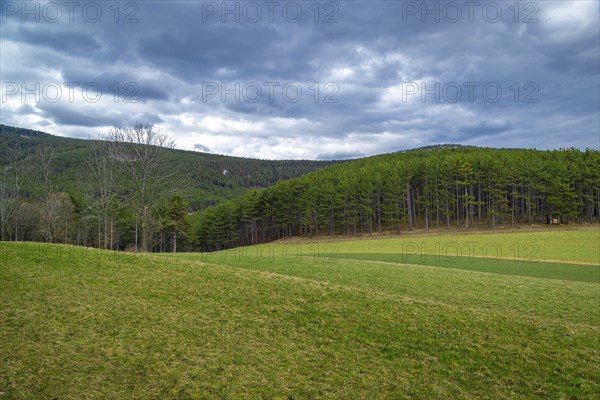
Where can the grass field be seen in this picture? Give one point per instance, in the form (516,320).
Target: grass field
(570,244)
(351,319)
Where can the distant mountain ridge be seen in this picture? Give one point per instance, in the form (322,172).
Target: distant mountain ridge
(214,178)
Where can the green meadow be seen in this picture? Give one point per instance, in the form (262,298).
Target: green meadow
(380,318)
(567,244)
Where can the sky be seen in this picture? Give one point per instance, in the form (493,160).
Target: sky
(306,79)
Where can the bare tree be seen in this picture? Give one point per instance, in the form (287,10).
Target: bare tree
(6,201)
(10,191)
(102,191)
(56,218)
(44,160)
(139,151)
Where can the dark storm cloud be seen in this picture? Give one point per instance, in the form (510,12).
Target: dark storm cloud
(201,147)
(64,116)
(124,84)
(69,116)
(198,54)
(546,64)
(484,128)
(62,41)
(25,109)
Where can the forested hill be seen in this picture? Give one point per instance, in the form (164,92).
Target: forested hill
(434,187)
(205,179)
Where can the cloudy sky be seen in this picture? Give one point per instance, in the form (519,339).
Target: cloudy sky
(307,80)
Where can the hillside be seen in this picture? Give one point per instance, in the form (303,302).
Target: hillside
(50,192)
(438,187)
(118,194)
(206,178)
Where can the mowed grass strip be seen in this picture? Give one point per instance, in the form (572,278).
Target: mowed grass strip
(571,244)
(110,325)
(540,269)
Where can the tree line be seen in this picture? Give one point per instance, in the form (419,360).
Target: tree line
(133,195)
(432,188)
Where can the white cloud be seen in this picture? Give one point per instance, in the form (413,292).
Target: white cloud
(569,21)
